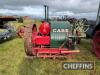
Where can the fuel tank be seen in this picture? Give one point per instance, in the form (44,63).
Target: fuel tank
(44,28)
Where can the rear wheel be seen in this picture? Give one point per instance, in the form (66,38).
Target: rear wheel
(28,45)
(27,40)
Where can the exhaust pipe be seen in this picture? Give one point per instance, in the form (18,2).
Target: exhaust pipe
(46,13)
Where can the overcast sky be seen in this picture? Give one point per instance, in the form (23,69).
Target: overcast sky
(76,8)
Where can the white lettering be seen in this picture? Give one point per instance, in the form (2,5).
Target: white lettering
(60,30)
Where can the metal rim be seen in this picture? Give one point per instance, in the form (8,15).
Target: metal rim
(27,39)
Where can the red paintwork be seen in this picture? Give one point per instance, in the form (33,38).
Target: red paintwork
(44,28)
(34,34)
(96,43)
(52,52)
(42,40)
(41,44)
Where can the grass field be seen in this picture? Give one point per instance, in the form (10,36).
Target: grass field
(13,61)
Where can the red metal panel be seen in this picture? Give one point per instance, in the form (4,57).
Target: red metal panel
(55,50)
(44,28)
(42,40)
(49,51)
(34,34)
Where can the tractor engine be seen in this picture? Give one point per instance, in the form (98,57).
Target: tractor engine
(42,37)
(54,34)
(54,39)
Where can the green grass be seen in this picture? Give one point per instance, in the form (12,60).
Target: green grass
(14,62)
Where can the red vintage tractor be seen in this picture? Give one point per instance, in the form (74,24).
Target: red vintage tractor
(50,39)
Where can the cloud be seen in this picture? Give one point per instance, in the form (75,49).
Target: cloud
(91,15)
(28,10)
(58,5)
(70,13)
(77,8)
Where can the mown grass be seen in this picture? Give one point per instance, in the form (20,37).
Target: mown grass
(14,62)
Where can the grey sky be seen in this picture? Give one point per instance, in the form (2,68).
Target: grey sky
(77,8)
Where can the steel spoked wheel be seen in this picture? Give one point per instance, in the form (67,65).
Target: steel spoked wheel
(27,40)
(34,33)
(81,25)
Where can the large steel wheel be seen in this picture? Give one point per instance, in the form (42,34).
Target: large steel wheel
(27,39)
(81,25)
(96,43)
